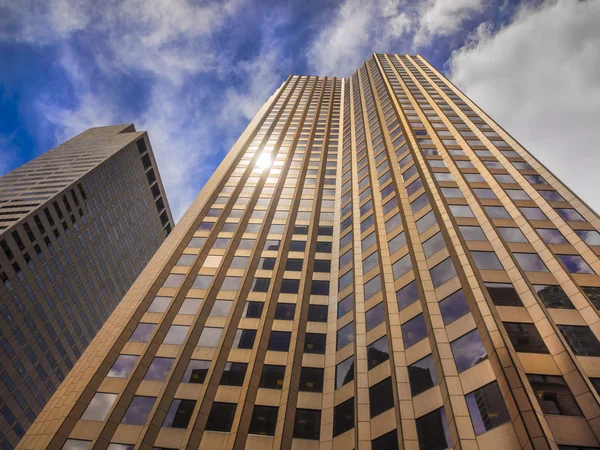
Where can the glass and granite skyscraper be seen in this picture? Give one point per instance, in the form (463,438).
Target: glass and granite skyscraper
(375,264)
(77,226)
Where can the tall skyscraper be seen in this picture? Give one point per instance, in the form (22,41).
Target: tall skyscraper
(77,226)
(376,264)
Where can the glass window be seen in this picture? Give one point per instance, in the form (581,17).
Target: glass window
(76,444)
(159,369)
(426,222)
(231,283)
(253,310)
(317,313)
(497,212)
(368,241)
(454,307)
(123,366)
(294,264)
(372,287)
(233,374)
(179,414)
(239,262)
(397,243)
(551,236)
(553,296)
(297,246)
(159,304)
(266,263)
(512,234)
(432,431)
(285,311)
(196,371)
(472,233)
(388,441)
(315,343)
(486,261)
(582,340)
(343,417)
(487,408)
(260,284)
(289,286)
(533,213)
(375,316)
(344,372)
(185,260)
(434,244)
(402,267)
(138,411)
(209,337)
(503,294)
(575,264)
(345,280)
(518,194)
(345,305)
(325,247)
(196,242)
(174,280)
(143,332)
(221,417)
(370,261)
(176,334)
(202,282)
(345,335)
(525,337)
(307,424)
(593,294)
(504,178)
(377,352)
(419,203)
(345,240)
(311,379)
(99,407)
(319,287)
(460,211)
(381,397)
(569,215)
(244,339)
(190,306)
(279,341)
(322,266)
(264,420)
(530,262)
(468,351)
(589,237)
(272,244)
(554,395)
(452,192)
(422,375)
(346,258)
(443,272)
(414,330)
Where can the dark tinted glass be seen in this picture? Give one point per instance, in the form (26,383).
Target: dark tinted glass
(487,408)
(285,311)
(266,263)
(345,305)
(311,379)
(468,351)
(233,374)
(375,316)
(432,431)
(138,411)
(260,284)
(422,375)
(179,413)
(525,337)
(413,331)
(279,341)
(344,372)
(343,417)
(503,294)
(554,395)
(289,286)
(303,229)
(315,343)
(377,352)
(407,295)
(381,397)
(272,244)
(244,339)
(569,215)
(325,247)
(323,231)
(319,287)
(264,420)
(345,335)
(322,265)
(307,424)
(593,293)
(443,272)
(582,340)
(553,296)
(317,313)
(297,246)
(388,441)
(454,307)
(253,310)
(221,417)
(294,264)
(196,371)
(272,377)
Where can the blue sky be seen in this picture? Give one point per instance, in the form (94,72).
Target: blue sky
(193,72)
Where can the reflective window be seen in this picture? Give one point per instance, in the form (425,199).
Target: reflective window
(414,330)
(202,282)
(468,351)
(196,371)
(325,247)
(174,280)
(343,417)
(372,287)
(311,379)
(185,260)
(345,280)
(138,411)
(504,178)
(554,395)
(123,366)
(297,246)
(345,335)
(503,294)
(454,307)
(460,211)
(294,264)
(370,261)
(317,313)
(319,287)
(176,334)
(512,234)
(402,267)
(76,444)
(575,264)
(279,341)
(451,192)
(486,261)
(525,337)
(260,284)
(472,233)
(179,414)
(99,407)
(533,213)
(487,408)
(592,293)
(419,203)
(307,424)
(345,305)
(582,340)
(422,375)
(377,352)
(190,306)
(443,272)
(392,223)
(381,397)
(315,343)
(517,194)
(368,241)
(159,369)
(346,258)
(231,283)
(434,244)
(345,240)
(397,243)
(233,374)
(239,262)
(407,295)
(375,316)
(497,212)
(553,296)
(272,377)
(143,332)
(244,339)
(272,244)
(569,215)
(264,420)
(266,263)
(159,304)
(530,262)
(322,266)
(221,417)
(589,237)
(285,311)
(432,431)
(426,222)
(209,337)
(551,236)
(344,372)
(253,310)
(289,286)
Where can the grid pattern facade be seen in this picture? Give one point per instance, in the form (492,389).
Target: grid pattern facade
(376,264)
(67,261)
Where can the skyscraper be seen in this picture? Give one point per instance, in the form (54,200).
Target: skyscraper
(375,264)
(77,226)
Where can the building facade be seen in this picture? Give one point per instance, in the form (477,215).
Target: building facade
(376,264)
(77,226)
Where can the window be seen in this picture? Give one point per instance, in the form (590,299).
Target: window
(345,281)
(231,283)
(99,407)
(345,240)
(434,244)
(311,379)
(76,444)
(443,272)
(554,395)
(344,372)
(244,339)
(345,336)
(368,241)
(518,194)
(174,280)
(426,222)
(319,287)
(143,332)
(209,337)
(569,215)
(503,294)
(525,338)
(266,263)
(452,192)
(551,236)
(196,371)
(272,244)
(589,237)
(375,316)
(279,341)
(294,264)
(472,233)
(264,420)
(138,411)
(343,417)
(221,417)
(372,287)
(552,196)
(497,212)
(159,369)
(190,306)
(468,351)
(533,213)
(176,334)
(486,261)
(593,294)
(460,211)
(307,424)
(512,235)
(159,304)
(401,267)
(530,262)
(432,431)
(582,340)
(422,375)
(253,310)
(407,295)
(393,222)
(389,441)
(233,374)
(123,366)
(370,261)
(289,286)
(553,296)
(315,343)
(202,282)
(179,413)
(272,377)
(346,258)
(414,330)
(381,397)
(285,311)
(185,260)
(297,246)
(260,284)
(454,307)
(487,408)
(377,352)
(397,243)
(239,262)
(345,305)
(322,266)
(325,247)
(575,264)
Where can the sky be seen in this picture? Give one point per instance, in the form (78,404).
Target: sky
(194,72)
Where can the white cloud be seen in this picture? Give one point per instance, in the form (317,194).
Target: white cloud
(538,77)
